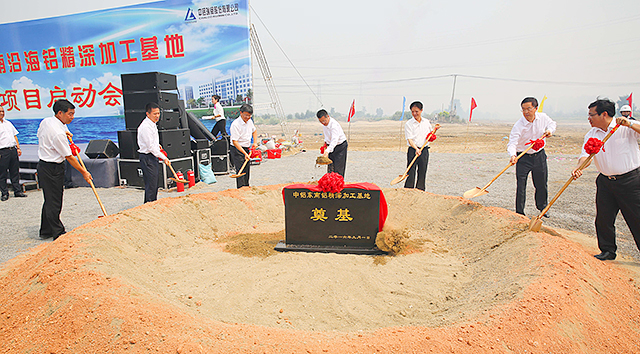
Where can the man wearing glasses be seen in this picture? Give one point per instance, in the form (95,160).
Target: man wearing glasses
(531,126)
(618,184)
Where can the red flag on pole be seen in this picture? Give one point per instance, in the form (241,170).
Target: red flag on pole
(352,111)
(473,106)
(629,100)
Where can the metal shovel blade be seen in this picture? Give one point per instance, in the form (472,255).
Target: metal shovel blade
(238,175)
(178,180)
(535,224)
(398,179)
(476,192)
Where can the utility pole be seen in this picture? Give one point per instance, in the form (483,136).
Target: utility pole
(268,79)
(451,111)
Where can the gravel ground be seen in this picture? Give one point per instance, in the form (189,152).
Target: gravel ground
(448,174)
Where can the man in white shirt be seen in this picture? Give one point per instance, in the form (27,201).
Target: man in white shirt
(416,131)
(625,111)
(150,151)
(9,152)
(531,126)
(618,184)
(242,132)
(53,149)
(218,114)
(335,142)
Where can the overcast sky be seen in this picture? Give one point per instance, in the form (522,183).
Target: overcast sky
(376,52)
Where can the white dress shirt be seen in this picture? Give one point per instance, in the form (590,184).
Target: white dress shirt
(53,145)
(333,135)
(148,139)
(523,131)
(417,131)
(7,134)
(242,132)
(621,153)
(218,111)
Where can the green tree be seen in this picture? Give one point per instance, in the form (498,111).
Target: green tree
(250,96)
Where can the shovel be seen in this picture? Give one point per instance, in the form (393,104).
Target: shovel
(403,176)
(536,223)
(476,192)
(104,212)
(176,179)
(240,173)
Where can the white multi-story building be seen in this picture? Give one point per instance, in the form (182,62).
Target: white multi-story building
(227,87)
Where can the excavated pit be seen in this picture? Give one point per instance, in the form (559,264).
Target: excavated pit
(199,274)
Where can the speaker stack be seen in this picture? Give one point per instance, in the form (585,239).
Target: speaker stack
(139,90)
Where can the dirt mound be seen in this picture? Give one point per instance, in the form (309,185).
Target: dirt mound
(198,274)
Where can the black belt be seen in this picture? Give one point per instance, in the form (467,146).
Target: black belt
(535,153)
(624,175)
(9,148)
(52,163)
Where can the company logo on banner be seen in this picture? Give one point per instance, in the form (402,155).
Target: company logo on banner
(81,57)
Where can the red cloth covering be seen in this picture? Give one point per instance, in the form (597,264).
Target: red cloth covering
(537,144)
(331,182)
(75,150)
(164,153)
(432,137)
(593,145)
(384,211)
(323,148)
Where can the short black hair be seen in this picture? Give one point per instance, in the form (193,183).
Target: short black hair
(151,106)
(217,97)
(322,113)
(416,104)
(246,108)
(533,100)
(604,105)
(62,106)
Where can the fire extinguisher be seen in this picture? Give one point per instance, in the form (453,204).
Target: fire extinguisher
(192,178)
(180,186)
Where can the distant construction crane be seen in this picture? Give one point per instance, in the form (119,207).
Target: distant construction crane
(268,79)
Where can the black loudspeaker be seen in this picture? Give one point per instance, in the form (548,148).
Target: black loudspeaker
(202,157)
(168,120)
(137,101)
(153,81)
(197,129)
(102,149)
(220,164)
(176,142)
(220,147)
(200,144)
(128,142)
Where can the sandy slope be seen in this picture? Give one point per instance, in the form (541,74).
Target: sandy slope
(168,277)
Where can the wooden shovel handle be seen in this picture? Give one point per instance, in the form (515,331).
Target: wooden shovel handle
(509,165)
(582,166)
(242,168)
(104,211)
(423,146)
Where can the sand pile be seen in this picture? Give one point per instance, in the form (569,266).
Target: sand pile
(198,274)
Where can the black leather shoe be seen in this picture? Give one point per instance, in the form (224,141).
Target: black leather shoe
(4,197)
(546,215)
(605,256)
(20,195)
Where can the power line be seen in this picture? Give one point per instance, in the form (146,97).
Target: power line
(285,55)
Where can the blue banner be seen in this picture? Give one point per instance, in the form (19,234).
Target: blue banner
(81,57)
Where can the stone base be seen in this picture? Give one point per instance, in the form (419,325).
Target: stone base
(283,247)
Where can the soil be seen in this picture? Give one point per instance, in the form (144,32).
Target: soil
(197,274)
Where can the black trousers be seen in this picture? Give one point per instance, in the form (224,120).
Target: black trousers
(537,165)
(220,127)
(339,158)
(612,196)
(150,172)
(237,158)
(51,180)
(418,168)
(9,162)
